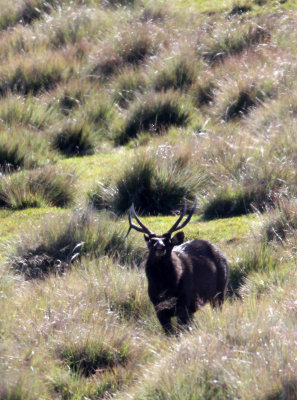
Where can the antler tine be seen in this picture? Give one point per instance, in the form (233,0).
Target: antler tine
(176,226)
(173,228)
(143,228)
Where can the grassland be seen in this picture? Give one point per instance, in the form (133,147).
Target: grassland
(105,103)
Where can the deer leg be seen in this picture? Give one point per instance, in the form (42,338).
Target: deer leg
(164,317)
(184,318)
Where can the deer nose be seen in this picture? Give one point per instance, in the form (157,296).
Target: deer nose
(159,246)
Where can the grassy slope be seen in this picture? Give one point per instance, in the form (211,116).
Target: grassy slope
(92,331)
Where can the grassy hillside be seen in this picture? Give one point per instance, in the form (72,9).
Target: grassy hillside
(105,103)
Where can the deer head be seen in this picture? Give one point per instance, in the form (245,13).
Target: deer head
(161,245)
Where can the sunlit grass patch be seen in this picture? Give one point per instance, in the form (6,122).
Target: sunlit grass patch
(83,23)
(101,167)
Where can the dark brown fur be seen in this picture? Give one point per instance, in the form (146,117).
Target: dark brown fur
(185,278)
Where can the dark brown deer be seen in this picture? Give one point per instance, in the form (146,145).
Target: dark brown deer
(181,279)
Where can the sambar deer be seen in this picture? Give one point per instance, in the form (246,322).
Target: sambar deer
(181,279)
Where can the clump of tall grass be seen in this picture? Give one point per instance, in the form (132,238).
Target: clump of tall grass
(177,74)
(74,139)
(54,247)
(131,48)
(239,8)
(127,85)
(71,96)
(23,148)
(257,257)
(33,74)
(239,98)
(71,28)
(118,2)
(233,39)
(228,202)
(281,221)
(155,186)
(25,12)
(92,355)
(203,90)
(12,156)
(99,113)
(36,188)
(155,113)
(16,109)
(251,183)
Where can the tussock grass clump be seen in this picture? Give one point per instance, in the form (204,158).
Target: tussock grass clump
(136,45)
(25,12)
(228,203)
(37,188)
(281,221)
(177,74)
(75,139)
(99,113)
(232,39)
(252,183)
(155,113)
(133,46)
(33,74)
(128,84)
(73,28)
(25,110)
(255,258)
(71,96)
(237,100)
(23,149)
(203,91)
(12,155)
(154,186)
(58,245)
(240,8)
(92,355)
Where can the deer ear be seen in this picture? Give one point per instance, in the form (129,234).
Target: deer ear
(146,237)
(178,238)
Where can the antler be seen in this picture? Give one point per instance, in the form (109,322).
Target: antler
(143,228)
(176,226)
